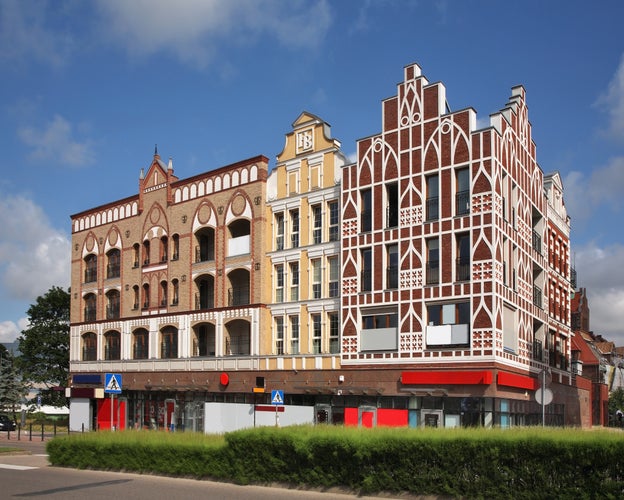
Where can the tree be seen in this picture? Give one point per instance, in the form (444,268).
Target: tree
(13,389)
(44,346)
(616,403)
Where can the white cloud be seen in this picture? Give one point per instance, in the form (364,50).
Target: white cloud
(56,142)
(9,330)
(612,101)
(601,272)
(25,35)
(33,255)
(196,30)
(603,187)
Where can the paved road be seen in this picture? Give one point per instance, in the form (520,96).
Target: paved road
(27,474)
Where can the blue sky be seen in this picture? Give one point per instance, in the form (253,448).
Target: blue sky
(88,88)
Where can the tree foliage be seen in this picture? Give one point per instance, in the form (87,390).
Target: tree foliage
(13,389)
(44,345)
(616,402)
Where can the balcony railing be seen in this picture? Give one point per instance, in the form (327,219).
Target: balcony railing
(89,353)
(392,216)
(392,277)
(537,241)
(89,313)
(462,270)
(90,275)
(431,208)
(139,351)
(112,271)
(462,202)
(112,352)
(366,281)
(433,273)
(204,253)
(112,312)
(238,296)
(203,301)
(537,296)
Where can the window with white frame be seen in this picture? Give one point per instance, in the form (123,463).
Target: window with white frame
(294,228)
(334,221)
(294,334)
(279,231)
(294,281)
(317,224)
(334,276)
(316,333)
(316,278)
(334,333)
(279,283)
(279,335)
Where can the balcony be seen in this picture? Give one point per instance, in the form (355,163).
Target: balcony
(239,245)
(379,339)
(202,301)
(443,335)
(537,241)
(204,253)
(537,296)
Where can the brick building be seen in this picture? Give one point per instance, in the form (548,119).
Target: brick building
(427,283)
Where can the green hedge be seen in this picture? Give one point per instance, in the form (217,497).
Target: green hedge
(482,463)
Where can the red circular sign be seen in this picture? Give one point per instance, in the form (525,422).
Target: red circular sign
(225,379)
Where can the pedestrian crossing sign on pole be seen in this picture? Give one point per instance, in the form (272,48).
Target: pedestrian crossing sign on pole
(112,383)
(277,397)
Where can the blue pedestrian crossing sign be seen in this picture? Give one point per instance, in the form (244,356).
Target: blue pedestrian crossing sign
(277,397)
(112,383)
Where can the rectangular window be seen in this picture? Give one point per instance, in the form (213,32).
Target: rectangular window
(334,276)
(366,280)
(294,228)
(366,210)
(392,271)
(334,221)
(462,191)
(294,281)
(432,200)
(279,283)
(392,208)
(279,231)
(334,333)
(379,332)
(316,334)
(317,224)
(462,263)
(279,335)
(294,334)
(316,278)
(433,261)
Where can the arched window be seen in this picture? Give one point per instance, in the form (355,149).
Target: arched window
(237,338)
(89,347)
(90,268)
(146,253)
(90,308)
(112,304)
(163,294)
(205,244)
(175,247)
(140,344)
(169,342)
(137,255)
(204,340)
(238,293)
(204,295)
(112,345)
(164,248)
(113,266)
(239,241)
(146,296)
(175,292)
(135,292)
